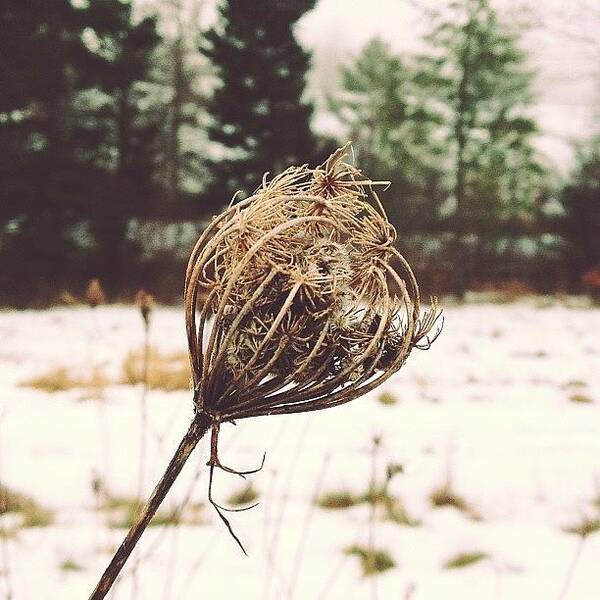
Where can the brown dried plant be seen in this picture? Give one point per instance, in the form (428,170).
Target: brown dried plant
(94,294)
(145,303)
(311,305)
(295,300)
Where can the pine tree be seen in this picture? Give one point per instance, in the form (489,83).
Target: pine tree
(44,173)
(392,134)
(477,75)
(258,117)
(123,118)
(581,201)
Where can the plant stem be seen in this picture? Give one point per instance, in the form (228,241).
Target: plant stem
(143,412)
(571,570)
(305,528)
(143,427)
(4,535)
(373,514)
(197,429)
(287,486)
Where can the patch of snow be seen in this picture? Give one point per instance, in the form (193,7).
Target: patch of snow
(487,408)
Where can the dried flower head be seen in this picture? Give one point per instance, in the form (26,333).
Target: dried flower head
(67,298)
(145,303)
(311,305)
(295,300)
(94,294)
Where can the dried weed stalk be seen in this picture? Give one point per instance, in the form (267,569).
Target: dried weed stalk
(94,294)
(295,300)
(145,303)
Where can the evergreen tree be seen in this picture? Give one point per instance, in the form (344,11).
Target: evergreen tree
(43,64)
(392,134)
(581,201)
(122,116)
(258,117)
(477,76)
(78,136)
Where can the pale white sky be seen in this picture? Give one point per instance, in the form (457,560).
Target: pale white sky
(567,85)
(562,41)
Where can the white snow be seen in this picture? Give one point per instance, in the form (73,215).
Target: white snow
(488,406)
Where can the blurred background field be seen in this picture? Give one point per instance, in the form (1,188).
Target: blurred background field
(485,482)
(125,125)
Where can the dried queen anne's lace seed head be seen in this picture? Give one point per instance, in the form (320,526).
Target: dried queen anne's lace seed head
(297,300)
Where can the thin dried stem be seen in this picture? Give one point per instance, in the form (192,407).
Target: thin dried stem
(199,426)
(572,565)
(145,304)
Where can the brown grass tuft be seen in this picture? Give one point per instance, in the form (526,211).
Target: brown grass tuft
(247,495)
(60,379)
(124,511)
(586,526)
(94,294)
(70,565)
(393,509)
(580,398)
(387,399)
(167,372)
(465,559)
(32,512)
(338,500)
(396,512)
(373,561)
(67,298)
(446,496)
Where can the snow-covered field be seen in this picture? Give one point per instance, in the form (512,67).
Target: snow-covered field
(490,408)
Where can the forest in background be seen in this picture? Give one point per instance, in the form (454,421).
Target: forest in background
(122,133)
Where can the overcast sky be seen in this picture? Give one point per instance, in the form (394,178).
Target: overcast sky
(561,42)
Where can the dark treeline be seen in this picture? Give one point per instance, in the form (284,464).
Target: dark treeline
(121,133)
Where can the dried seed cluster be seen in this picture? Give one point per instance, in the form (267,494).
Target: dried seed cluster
(296,298)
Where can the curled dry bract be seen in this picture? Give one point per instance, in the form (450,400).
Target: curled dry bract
(309,303)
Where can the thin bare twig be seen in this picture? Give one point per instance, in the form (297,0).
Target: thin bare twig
(297,563)
(571,570)
(6,566)
(144,302)
(284,501)
(373,511)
